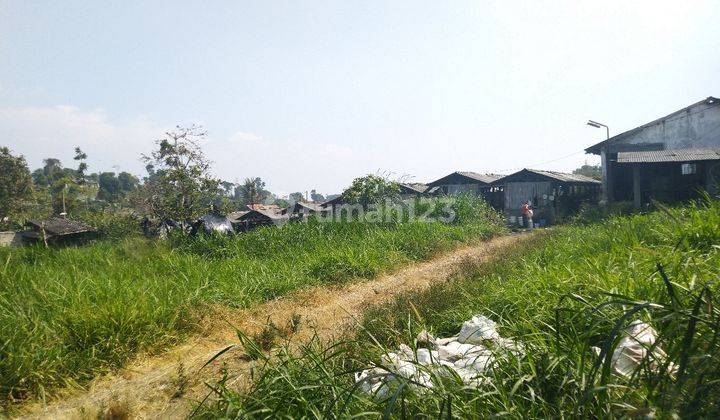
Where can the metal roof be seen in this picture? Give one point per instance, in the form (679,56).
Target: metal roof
(271,214)
(414,186)
(486,178)
(61,226)
(303,205)
(684,155)
(558,176)
(473,176)
(565,177)
(235,215)
(595,148)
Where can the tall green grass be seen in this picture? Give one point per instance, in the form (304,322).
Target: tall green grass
(560,294)
(68,314)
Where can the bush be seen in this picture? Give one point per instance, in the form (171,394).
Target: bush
(113,225)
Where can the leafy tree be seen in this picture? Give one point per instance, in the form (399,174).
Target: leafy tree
(128,182)
(180,186)
(15,182)
(51,171)
(110,188)
(592,171)
(39,178)
(251,191)
(316,197)
(80,156)
(296,196)
(371,189)
(228,188)
(64,195)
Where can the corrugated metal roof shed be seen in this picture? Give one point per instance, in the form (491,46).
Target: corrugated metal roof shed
(486,178)
(413,187)
(685,155)
(565,177)
(60,226)
(558,176)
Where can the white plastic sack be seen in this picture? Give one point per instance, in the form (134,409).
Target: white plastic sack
(469,355)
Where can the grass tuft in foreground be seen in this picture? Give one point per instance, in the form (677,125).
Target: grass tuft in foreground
(574,288)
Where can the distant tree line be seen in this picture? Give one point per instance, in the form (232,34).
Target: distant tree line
(179,185)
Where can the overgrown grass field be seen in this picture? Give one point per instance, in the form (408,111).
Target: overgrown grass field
(68,314)
(567,290)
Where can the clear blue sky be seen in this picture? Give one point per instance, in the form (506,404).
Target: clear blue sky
(310,94)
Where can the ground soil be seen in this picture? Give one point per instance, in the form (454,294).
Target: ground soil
(169,384)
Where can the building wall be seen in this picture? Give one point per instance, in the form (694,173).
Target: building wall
(10,239)
(460,188)
(516,193)
(697,128)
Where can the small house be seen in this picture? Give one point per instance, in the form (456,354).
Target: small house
(471,182)
(670,159)
(553,195)
(329,207)
(58,230)
(301,210)
(259,217)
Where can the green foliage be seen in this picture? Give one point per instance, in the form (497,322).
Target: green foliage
(68,314)
(371,189)
(15,183)
(80,157)
(251,191)
(112,224)
(316,196)
(559,294)
(595,213)
(296,196)
(180,186)
(591,171)
(109,187)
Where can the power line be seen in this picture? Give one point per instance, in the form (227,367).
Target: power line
(542,163)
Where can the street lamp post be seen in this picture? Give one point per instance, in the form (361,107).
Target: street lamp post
(596,124)
(605,163)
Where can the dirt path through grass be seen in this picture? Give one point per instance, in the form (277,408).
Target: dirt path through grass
(166,385)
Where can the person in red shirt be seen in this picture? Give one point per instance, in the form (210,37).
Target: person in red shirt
(527,214)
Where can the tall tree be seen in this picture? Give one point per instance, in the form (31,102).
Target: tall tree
(251,191)
(228,188)
(15,182)
(128,182)
(181,187)
(110,188)
(52,170)
(316,196)
(80,157)
(296,196)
